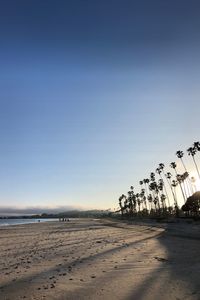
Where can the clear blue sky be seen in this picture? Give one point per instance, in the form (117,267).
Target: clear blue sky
(94,94)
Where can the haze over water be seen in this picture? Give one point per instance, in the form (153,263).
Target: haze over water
(7,222)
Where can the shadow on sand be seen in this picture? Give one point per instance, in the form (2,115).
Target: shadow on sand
(178,276)
(169,269)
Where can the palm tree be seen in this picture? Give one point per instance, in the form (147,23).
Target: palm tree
(192,151)
(168,177)
(133,198)
(155,201)
(174,185)
(154,188)
(126,204)
(138,201)
(161,196)
(185,178)
(151,188)
(197,146)
(173,166)
(150,199)
(159,170)
(146,182)
(142,195)
(180,179)
(161,166)
(162,199)
(141,182)
(130,203)
(152,176)
(180,155)
(120,204)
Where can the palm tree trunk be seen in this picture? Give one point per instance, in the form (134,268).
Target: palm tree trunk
(176,202)
(196,166)
(189,185)
(170,185)
(146,191)
(180,187)
(185,192)
(165,191)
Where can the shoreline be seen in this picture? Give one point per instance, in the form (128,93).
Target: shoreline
(15,222)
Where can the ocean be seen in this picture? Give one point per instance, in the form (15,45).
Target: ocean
(6,222)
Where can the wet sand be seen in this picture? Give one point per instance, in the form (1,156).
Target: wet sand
(99,259)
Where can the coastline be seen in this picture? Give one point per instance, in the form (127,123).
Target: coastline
(98,259)
(20,221)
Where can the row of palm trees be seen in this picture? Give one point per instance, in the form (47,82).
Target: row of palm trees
(160,193)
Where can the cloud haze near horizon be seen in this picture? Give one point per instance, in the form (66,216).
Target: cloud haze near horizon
(9,211)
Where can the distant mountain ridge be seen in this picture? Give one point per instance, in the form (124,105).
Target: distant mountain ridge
(67,214)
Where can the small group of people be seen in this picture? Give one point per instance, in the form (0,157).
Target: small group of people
(63,220)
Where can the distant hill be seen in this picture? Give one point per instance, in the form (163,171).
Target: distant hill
(95,213)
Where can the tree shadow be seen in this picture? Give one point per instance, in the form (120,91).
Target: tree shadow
(179,277)
(18,283)
(176,274)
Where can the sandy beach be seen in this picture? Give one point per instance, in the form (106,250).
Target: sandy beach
(99,259)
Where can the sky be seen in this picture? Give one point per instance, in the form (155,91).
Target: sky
(93,96)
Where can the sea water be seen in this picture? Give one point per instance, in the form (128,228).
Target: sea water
(6,222)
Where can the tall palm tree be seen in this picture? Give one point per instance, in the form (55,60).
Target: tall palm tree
(185,179)
(146,182)
(173,166)
(197,146)
(162,199)
(154,188)
(159,170)
(142,195)
(138,201)
(152,176)
(133,198)
(121,205)
(130,203)
(180,179)
(156,201)
(180,155)
(192,151)
(161,196)
(168,177)
(174,185)
(126,207)
(150,199)
(141,182)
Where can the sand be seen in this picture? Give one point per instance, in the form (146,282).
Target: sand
(99,259)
